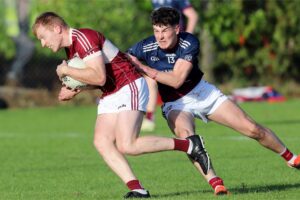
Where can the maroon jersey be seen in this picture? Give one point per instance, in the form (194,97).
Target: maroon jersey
(87,43)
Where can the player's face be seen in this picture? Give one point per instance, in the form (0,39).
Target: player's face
(166,36)
(49,38)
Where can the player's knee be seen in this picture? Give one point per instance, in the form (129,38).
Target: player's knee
(126,149)
(182,132)
(256,131)
(100,145)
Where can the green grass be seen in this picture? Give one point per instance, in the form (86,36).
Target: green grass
(47,153)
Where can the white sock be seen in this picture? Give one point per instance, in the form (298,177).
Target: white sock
(141,191)
(190,147)
(291,161)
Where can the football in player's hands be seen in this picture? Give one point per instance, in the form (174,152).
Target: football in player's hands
(69,82)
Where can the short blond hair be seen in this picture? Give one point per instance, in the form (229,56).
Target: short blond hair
(48,19)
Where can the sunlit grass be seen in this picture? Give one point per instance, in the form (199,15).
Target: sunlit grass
(47,153)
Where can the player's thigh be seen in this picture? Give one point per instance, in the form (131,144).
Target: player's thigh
(152,85)
(181,123)
(105,127)
(231,115)
(128,126)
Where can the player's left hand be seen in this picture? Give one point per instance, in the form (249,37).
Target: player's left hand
(61,69)
(152,73)
(134,59)
(138,65)
(66,94)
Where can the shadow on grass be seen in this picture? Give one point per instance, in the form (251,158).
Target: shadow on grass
(277,122)
(243,190)
(262,189)
(182,193)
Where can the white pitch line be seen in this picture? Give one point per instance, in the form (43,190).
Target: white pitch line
(245,138)
(42,135)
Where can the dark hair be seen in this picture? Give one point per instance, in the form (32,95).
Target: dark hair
(165,16)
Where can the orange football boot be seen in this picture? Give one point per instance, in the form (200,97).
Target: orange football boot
(296,163)
(221,190)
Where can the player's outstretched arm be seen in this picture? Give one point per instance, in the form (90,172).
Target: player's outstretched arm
(192,19)
(174,78)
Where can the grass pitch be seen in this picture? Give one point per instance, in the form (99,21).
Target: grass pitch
(47,153)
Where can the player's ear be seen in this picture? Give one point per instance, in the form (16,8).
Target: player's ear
(177,29)
(57,28)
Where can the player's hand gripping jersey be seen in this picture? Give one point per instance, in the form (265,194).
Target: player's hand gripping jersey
(87,44)
(187,48)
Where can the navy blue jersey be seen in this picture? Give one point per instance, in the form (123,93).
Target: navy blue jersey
(179,5)
(187,48)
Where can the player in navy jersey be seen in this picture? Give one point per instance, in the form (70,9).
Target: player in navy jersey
(188,22)
(122,104)
(171,58)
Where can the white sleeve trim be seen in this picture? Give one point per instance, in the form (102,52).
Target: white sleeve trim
(98,53)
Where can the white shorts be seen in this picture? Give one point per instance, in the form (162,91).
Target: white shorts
(201,101)
(133,96)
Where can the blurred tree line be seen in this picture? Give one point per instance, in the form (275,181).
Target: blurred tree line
(255,42)
(244,42)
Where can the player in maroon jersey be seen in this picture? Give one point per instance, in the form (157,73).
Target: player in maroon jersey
(122,104)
